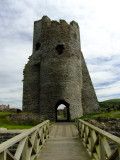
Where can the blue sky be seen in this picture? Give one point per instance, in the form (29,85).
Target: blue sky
(100,41)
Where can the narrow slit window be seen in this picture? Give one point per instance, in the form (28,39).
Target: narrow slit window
(37,46)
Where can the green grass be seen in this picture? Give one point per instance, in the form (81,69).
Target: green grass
(5,114)
(113,114)
(111,104)
(112,100)
(15,126)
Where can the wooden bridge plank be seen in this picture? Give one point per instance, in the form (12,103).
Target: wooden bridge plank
(65,144)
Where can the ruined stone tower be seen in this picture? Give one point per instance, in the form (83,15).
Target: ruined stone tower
(56,72)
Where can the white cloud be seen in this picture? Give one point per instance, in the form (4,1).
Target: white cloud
(103,77)
(100,41)
(109,91)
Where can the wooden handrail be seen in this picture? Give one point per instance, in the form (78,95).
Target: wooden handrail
(27,139)
(98,141)
(102,132)
(19,137)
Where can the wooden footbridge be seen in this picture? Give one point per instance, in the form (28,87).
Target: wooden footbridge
(62,141)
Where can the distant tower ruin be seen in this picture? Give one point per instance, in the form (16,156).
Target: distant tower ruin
(57,73)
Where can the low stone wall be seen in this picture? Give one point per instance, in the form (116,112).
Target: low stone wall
(7,134)
(111,125)
(26,118)
(23,118)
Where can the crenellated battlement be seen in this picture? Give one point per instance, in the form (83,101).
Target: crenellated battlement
(48,22)
(49,32)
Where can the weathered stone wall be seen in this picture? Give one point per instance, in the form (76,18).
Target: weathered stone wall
(26,118)
(89,100)
(60,73)
(54,72)
(5,135)
(31,88)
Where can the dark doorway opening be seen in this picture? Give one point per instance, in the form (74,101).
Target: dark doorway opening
(62,111)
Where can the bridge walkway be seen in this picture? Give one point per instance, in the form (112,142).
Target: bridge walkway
(63,144)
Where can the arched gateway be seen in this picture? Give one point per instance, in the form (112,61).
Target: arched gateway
(56,72)
(66,115)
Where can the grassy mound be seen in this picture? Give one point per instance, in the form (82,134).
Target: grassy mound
(7,122)
(113,114)
(110,103)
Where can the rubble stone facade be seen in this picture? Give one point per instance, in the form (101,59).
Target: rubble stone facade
(56,72)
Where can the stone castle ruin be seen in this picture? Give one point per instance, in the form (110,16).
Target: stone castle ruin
(56,72)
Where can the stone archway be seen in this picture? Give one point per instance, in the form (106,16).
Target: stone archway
(66,117)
